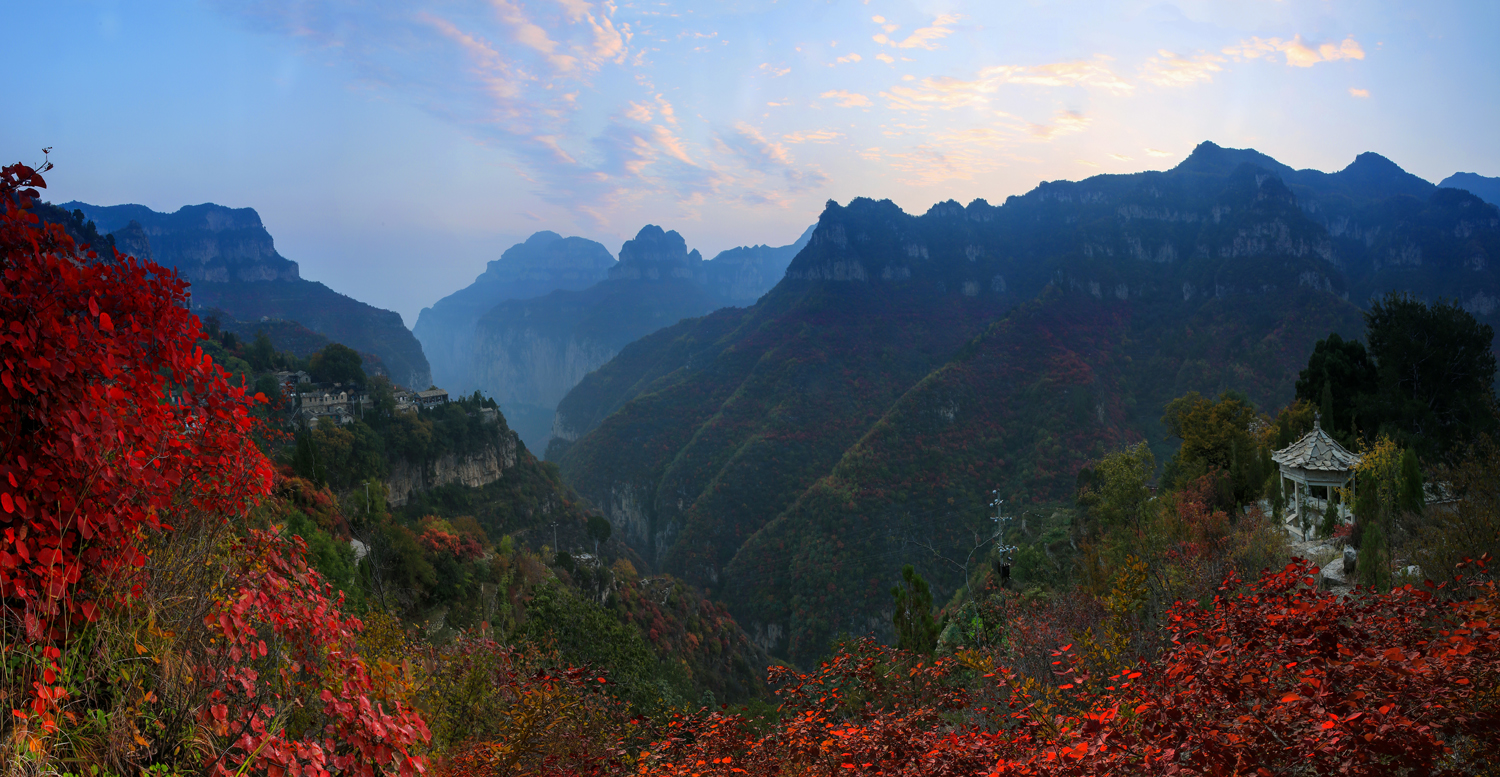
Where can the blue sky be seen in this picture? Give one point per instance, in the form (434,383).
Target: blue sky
(392,148)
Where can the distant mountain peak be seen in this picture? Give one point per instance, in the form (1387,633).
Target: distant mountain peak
(1483,187)
(656,253)
(548,255)
(1211,158)
(543,238)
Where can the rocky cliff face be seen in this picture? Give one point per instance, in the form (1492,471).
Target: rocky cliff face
(231,261)
(483,467)
(528,354)
(739,276)
(546,262)
(206,243)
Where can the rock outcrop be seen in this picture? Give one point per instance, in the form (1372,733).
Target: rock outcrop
(231,261)
(476,469)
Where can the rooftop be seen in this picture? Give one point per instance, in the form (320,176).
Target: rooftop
(1316,451)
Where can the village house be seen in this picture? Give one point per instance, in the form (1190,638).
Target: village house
(290,380)
(432,397)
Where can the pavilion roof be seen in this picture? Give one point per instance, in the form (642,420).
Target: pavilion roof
(1317,451)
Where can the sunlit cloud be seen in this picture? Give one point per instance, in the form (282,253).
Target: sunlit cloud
(1063,123)
(949,93)
(1119,157)
(884,57)
(846,99)
(768,158)
(774,72)
(846,59)
(1157,152)
(1297,52)
(921,38)
(1168,69)
(1359,92)
(815,136)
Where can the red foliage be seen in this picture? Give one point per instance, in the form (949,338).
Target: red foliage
(312,650)
(460,546)
(115,419)
(117,423)
(1276,678)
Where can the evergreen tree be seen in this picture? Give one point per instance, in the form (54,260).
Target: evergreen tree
(1411,498)
(915,628)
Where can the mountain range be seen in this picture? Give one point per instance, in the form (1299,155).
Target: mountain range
(1485,188)
(232,263)
(790,456)
(554,308)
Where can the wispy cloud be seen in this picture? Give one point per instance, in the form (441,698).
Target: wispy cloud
(851,57)
(1168,69)
(920,38)
(815,136)
(1298,53)
(846,99)
(949,93)
(1063,123)
(769,158)
(1358,92)
(1157,152)
(510,74)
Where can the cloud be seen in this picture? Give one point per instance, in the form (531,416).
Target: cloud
(948,93)
(884,57)
(1157,152)
(510,75)
(845,59)
(639,112)
(1168,69)
(1297,52)
(815,136)
(1119,157)
(769,158)
(1359,92)
(921,38)
(1063,123)
(775,72)
(847,99)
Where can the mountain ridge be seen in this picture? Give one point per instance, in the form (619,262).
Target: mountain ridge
(737,448)
(231,261)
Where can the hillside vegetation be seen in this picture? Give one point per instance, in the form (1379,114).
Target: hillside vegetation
(787,455)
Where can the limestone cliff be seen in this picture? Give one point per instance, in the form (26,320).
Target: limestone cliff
(231,261)
(528,354)
(475,469)
(546,262)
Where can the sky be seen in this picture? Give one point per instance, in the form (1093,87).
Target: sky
(392,147)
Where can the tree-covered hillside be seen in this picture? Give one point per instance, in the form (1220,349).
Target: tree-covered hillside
(781,454)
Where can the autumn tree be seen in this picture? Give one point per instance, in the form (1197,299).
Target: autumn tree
(127,471)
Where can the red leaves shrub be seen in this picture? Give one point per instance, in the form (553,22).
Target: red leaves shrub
(291,657)
(117,426)
(439,536)
(1276,678)
(114,417)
